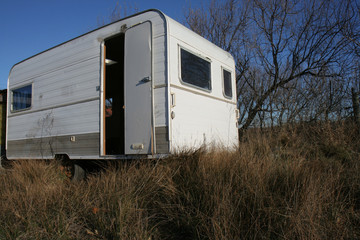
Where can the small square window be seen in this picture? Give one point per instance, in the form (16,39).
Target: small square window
(195,70)
(21,98)
(227,83)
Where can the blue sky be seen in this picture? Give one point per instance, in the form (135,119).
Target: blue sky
(28,27)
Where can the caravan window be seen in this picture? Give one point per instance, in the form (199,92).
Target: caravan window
(195,70)
(227,83)
(21,98)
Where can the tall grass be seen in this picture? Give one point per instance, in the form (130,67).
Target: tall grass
(299,182)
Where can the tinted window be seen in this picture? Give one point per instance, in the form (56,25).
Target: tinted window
(227,83)
(21,98)
(195,70)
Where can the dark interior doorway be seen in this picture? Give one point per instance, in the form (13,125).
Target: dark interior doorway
(114,95)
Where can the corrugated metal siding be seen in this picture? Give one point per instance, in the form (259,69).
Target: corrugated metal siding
(58,58)
(47,147)
(61,85)
(160,74)
(70,74)
(161,107)
(72,119)
(160,83)
(162,140)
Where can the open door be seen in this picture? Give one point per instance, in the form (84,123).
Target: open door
(138,89)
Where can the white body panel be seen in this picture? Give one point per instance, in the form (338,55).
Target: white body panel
(201,117)
(67,110)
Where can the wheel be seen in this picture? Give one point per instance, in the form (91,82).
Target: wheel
(71,168)
(5,163)
(77,173)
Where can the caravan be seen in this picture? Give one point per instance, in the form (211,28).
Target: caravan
(142,86)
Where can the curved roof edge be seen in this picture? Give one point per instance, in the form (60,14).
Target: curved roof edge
(162,15)
(175,23)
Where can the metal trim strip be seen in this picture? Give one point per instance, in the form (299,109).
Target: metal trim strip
(53,107)
(202,94)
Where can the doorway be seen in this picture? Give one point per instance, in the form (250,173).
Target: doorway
(114,95)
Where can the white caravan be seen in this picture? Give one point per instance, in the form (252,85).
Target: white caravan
(142,86)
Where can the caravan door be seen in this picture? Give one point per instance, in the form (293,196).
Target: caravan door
(138,89)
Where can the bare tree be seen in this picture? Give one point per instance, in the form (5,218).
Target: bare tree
(279,46)
(120,11)
(349,18)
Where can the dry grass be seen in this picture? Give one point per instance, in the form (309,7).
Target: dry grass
(298,182)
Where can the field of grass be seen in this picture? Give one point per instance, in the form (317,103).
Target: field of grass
(298,182)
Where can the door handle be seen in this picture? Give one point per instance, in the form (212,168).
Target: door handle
(145,79)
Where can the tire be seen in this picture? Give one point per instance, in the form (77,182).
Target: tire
(78,173)
(71,169)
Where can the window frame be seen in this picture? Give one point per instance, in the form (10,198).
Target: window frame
(12,98)
(207,59)
(223,69)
